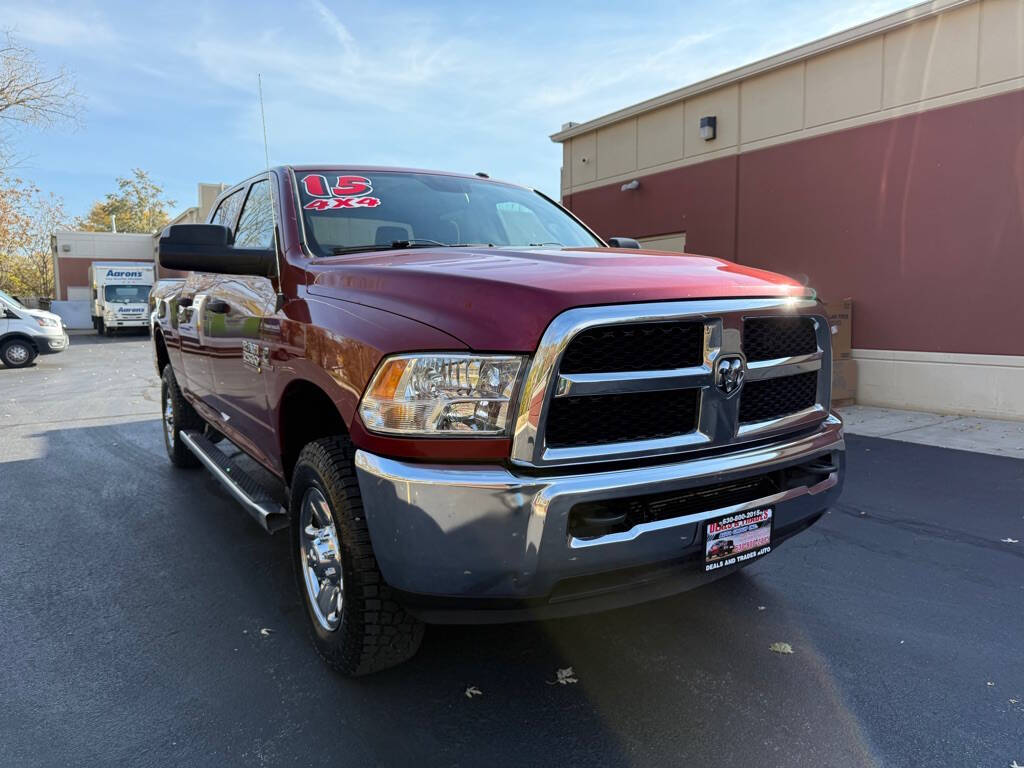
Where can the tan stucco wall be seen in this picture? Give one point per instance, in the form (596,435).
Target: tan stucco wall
(965,52)
(674,242)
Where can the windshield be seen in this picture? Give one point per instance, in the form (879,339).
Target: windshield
(126,294)
(345,212)
(6,297)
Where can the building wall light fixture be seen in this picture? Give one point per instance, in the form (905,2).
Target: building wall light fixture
(708,126)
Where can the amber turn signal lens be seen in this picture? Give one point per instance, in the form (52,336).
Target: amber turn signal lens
(386,382)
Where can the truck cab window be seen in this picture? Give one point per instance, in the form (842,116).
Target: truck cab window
(126,294)
(227,211)
(256,226)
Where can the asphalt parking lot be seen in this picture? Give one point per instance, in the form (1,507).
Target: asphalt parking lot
(133,595)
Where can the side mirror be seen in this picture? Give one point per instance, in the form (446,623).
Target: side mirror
(623,242)
(210,248)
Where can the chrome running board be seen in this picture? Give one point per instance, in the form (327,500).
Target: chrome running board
(257,501)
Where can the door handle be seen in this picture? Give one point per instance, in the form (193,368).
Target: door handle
(218,307)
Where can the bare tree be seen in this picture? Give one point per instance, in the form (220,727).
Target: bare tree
(30,96)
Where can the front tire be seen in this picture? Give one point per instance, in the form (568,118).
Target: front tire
(17,353)
(177,415)
(356,624)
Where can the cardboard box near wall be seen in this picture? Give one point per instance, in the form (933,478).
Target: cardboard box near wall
(844,382)
(840,318)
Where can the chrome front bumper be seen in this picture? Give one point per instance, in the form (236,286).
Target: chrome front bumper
(488,533)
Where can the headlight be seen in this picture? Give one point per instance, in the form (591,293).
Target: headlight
(433,395)
(47,322)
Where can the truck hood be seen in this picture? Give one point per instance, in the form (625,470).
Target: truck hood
(500,299)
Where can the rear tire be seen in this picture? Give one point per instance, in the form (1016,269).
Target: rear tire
(177,415)
(356,624)
(99,325)
(17,353)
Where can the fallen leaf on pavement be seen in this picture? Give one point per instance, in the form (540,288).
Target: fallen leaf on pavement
(472,691)
(563,677)
(781,647)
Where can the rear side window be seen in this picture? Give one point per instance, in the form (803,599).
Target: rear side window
(228,210)
(256,227)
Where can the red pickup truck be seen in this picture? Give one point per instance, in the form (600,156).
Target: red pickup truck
(476,409)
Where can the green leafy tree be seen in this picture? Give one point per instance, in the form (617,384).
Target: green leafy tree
(138,205)
(28,219)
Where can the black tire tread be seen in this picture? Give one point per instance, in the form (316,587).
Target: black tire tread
(33,353)
(185,418)
(375,631)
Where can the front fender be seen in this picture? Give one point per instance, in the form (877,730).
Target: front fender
(337,346)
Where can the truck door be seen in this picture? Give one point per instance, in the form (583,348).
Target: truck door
(192,323)
(239,334)
(194,318)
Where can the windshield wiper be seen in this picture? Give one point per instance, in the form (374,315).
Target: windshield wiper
(537,245)
(393,246)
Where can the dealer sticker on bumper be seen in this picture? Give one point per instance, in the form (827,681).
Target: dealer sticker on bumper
(737,538)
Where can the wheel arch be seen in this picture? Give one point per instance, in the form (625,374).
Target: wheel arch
(305,413)
(19,335)
(163,359)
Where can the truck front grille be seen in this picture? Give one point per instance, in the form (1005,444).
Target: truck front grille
(635,347)
(602,419)
(770,338)
(772,398)
(631,381)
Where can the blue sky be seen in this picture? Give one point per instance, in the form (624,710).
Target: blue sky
(464,86)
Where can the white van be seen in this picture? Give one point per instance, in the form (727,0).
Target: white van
(25,333)
(120,294)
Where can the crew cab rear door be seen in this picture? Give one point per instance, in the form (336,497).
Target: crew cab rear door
(240,337)
(194,317)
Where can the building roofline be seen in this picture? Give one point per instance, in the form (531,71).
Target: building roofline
(98,234)
(831,42)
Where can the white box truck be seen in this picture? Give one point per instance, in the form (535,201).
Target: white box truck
(120,294)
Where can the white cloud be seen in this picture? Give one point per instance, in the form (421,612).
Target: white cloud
(594,73)
(46,27)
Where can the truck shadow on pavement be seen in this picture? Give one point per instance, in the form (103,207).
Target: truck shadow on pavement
(181,635)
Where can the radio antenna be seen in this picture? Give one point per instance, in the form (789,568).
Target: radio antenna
(263,119)
(270,181)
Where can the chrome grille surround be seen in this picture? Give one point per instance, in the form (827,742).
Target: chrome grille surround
(718,421)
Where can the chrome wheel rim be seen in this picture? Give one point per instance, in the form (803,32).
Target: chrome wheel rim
(168,419)
(17,353)
(321,559)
